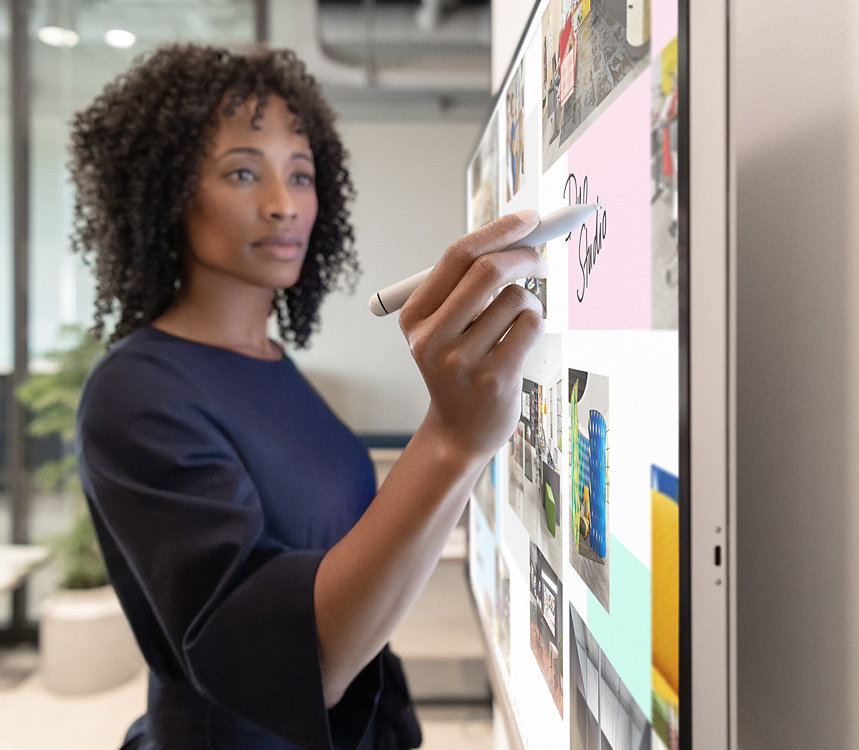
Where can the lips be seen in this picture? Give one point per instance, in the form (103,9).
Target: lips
(282,246)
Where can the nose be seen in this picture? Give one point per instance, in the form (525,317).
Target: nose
(278,202)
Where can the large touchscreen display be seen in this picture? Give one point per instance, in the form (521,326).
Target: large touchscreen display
(574,530)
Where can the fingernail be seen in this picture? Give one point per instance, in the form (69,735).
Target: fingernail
(528,216)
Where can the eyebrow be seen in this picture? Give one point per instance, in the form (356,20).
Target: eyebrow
(257,152)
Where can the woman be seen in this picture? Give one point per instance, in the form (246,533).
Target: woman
(261,572)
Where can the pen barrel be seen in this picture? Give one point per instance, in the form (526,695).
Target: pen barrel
(392,298)
(558,223)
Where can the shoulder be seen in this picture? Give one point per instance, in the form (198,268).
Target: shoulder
(151,374)
(141,358)
(141,372)
(144,402)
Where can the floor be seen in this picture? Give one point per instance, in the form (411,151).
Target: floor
(438,640)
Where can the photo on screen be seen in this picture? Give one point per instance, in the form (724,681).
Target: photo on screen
(484,493)
(589,481)
(559,415)
(536,286)
(603,712)
(590,48)
(665,597)
(532,509)
(516,470)
(482,543)
(502,608)
(483,179)
(546,624)
(535,489)
(664,194)
(514,134)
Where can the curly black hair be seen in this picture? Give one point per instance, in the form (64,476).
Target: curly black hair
(135,156)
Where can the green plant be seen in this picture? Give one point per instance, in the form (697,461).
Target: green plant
(52,400)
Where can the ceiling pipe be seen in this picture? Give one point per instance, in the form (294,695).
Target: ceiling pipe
(429,14)
(296,25)
(362,64)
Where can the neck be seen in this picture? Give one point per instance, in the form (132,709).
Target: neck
(230,320)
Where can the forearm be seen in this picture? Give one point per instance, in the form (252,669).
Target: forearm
(367,581)
(470,352)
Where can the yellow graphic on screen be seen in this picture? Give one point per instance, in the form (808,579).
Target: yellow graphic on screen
(665,596)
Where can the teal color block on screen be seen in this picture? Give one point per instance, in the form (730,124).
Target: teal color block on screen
(624,635)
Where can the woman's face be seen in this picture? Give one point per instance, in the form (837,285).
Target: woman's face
(254,205)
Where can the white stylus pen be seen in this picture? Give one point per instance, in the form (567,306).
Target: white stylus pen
(553,225)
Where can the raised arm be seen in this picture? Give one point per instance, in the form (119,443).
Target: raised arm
(470,352)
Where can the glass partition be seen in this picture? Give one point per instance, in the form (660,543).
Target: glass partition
(6,296)
(73,49)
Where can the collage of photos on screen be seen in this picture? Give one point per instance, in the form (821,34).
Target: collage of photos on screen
(589,481)
(604,713)
(546,624)
(589,47)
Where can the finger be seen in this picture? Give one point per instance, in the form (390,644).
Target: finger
(459,256)
(487,275)
(496,320)
(509,354)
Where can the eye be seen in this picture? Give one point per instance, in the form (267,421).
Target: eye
(242,174)
(304,179)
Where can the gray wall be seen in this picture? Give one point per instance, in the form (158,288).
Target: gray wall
(796,98)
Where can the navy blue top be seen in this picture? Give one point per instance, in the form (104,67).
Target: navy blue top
(216,482)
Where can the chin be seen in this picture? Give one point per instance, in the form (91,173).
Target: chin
(287,283)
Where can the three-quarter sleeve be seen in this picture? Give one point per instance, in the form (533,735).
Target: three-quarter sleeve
(212,597)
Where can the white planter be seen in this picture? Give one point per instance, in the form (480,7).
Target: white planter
(85,642)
